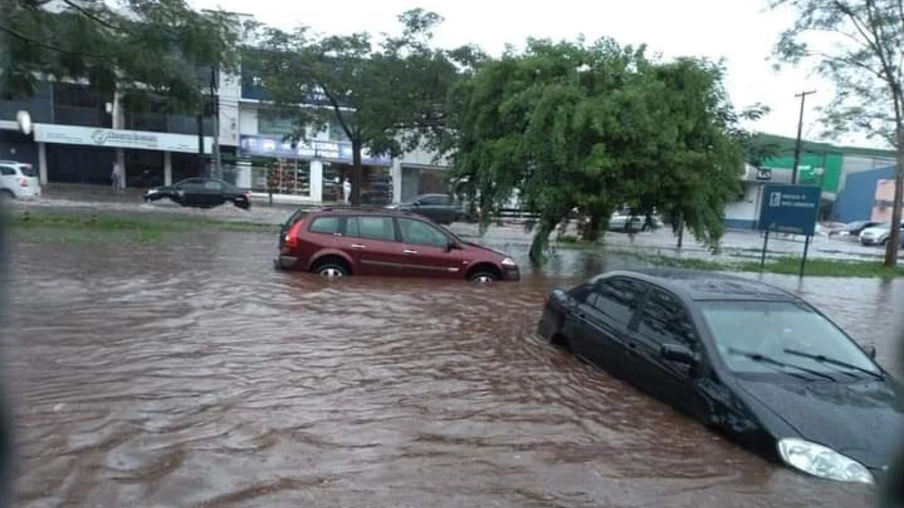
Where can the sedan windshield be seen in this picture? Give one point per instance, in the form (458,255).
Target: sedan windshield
(758,337)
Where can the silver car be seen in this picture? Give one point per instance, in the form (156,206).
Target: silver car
(878,235)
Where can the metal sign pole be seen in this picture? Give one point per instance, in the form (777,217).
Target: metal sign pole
(763,256)
(803,261)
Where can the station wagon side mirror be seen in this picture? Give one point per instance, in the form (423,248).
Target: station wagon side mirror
(678,353)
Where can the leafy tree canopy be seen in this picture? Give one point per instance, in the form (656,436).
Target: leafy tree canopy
(859,45)
(589,128)
(139,47)
(387,96)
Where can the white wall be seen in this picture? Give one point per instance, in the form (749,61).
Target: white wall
(247,119)
(746,209)
(230,91)
(424,157)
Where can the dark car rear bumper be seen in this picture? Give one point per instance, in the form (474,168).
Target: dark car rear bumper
(285,262)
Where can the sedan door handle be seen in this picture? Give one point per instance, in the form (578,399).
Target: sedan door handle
(357,246)
(409,251)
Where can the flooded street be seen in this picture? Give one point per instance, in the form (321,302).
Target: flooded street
(192,374)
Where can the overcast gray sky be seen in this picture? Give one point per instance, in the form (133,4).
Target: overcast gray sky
(741,31)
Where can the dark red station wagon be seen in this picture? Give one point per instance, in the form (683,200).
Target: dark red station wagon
(336,242)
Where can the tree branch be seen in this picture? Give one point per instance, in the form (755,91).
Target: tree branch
(92,16)
(851,62)
(46,45)
(337,109)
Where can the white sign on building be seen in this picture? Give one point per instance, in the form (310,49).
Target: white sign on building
(118,138)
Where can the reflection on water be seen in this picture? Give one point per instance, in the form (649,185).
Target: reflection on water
(196,376)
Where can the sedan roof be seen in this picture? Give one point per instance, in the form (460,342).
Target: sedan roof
(703,285)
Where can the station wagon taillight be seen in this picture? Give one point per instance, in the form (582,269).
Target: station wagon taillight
(291,238)
(23,182)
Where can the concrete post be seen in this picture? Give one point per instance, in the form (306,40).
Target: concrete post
(167,168)
(121,159)
(316,181)
(396,173)
(118,123)
(42,163)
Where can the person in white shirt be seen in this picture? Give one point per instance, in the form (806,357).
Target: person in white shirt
(347,190)
(116,176)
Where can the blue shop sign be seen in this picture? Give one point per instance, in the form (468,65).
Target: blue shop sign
(331,151)
(790,208)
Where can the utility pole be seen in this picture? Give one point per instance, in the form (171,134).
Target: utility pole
(215,102)
(201,139)
(800,126)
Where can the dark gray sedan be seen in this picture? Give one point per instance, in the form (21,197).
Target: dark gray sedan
(440,208)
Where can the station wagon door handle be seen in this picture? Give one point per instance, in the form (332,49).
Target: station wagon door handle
(409,251)
(357,246)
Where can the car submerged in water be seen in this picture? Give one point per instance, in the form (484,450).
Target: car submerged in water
(745,358)
(343,241)
(200,193)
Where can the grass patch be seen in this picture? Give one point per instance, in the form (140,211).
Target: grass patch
(92,228)
(783,265)
(826,268)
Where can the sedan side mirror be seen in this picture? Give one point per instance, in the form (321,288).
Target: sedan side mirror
(452,246)
(871,351)
(678,353)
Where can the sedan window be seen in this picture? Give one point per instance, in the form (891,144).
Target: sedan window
(7,171)
(212,185)
(434,200)
(664,321)
(420,233)
(617,299)
(785,332)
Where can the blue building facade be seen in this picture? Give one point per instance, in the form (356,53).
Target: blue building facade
(856,201)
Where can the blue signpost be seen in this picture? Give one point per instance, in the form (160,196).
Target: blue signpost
(789,209)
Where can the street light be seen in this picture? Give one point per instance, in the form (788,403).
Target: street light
(23,118)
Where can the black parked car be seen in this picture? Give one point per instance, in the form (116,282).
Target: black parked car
(440,208)
(201,193)
(751,360)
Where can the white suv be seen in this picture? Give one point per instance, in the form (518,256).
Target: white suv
(18,180)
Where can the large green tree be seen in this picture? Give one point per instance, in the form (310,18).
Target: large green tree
(859,45)
(136,47)
(577,128)
(387,97)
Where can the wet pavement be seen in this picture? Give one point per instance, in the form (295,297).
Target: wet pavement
(192,374)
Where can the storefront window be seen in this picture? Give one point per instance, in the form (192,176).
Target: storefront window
(376,183)
(282,176)
(337,133)
(272,122)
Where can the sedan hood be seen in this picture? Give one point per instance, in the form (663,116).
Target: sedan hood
(873,232)
(863,420)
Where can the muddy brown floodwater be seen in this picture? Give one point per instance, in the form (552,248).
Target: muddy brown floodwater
(192,374)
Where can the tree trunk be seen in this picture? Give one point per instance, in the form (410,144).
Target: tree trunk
(894,239)
(541,240)
(591,228)
(357,169)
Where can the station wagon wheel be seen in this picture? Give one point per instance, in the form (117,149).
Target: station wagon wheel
(331,271)
(484,277)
